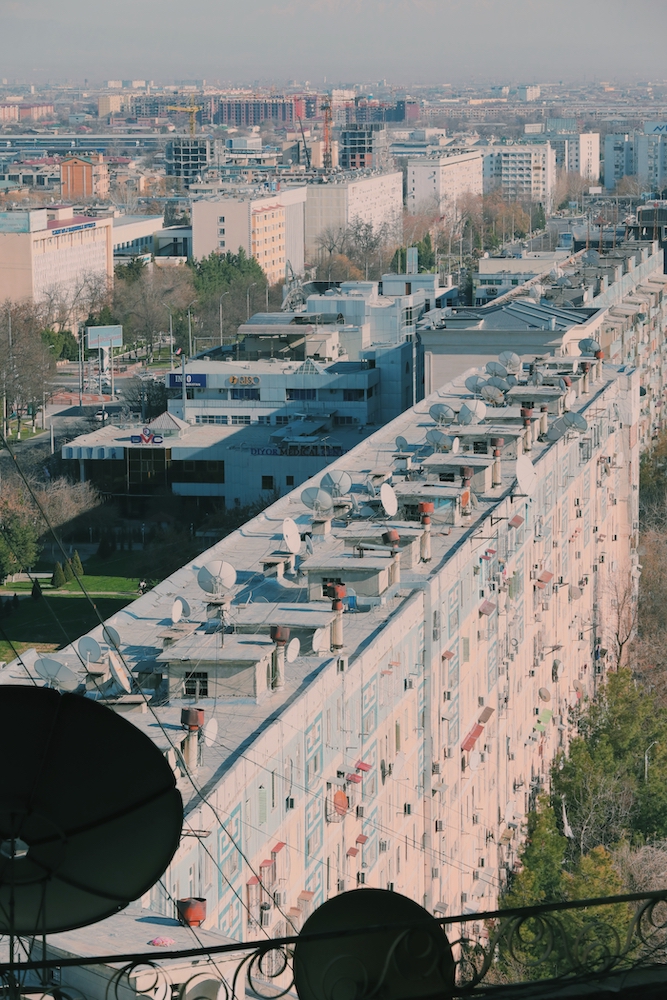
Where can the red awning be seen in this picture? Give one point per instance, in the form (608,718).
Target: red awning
(448,655)
(545,577)
(516,521)
(278,847)
(472,737)
(356,778)
(265,864)
(362,838)
(361,765)
(490,552)
(485,715)
(352,852)
(487,608)
(253,880)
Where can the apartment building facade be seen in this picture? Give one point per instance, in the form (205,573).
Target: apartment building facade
(84,177)
(336,202)
(521,172)
(437,182)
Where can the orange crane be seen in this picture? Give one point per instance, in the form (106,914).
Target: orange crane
(190,110)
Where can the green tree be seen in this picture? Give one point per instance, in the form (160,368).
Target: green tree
(77,565)
(539,879)
(19,546)
(36,592)
(58,579)
(63,343)
(67,571)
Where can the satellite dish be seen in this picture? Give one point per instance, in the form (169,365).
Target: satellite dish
(537,378)
(56,674)
(562,385)
(216,577)
(401,443)
(442,413)
(337,483)
(111,636)
(589,346)
(509,811)
(557,670)
(557,429)
(388,500)
(544,694)
(375,961)
(438,439)
(78,784)
(309,545)
(293,650)
(493,395)
(291,536)
(510,361)
(574,593)
(366,511)
(89,649)
(201,987)
(526,475)
(512,380)
(317,499)
(319,641)
(475,760)
(210,732)
(120,673)
(575,421)
(179,609)
(499,383)
(456,444)
(591,257)
(578,686)
(496,368)
(472,412)
(474,384)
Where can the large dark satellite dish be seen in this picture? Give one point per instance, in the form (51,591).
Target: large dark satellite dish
(412,958)
(90,815)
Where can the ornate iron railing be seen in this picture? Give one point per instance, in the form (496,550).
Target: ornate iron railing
(533,950)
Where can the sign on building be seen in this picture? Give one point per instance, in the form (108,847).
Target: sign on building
(176,380)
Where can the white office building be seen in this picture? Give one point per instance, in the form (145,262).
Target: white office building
(437,182)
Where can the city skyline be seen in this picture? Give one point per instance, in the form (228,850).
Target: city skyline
(410,40)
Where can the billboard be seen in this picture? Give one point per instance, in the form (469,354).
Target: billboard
(104,336)
(176,380)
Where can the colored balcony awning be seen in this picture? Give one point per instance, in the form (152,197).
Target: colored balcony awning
(472,737)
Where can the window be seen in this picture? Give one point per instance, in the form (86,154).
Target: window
(221,243)
(196,685)
(221,220)
(352,395)
(344,420)
(240,421)
(267,482)
(245,393)
(300,394)
(289,480)
(281,421)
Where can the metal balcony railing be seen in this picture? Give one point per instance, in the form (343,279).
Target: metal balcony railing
(614,944)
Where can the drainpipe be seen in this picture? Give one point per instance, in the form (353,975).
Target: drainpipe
(599,355)
(279,635)
(426,508)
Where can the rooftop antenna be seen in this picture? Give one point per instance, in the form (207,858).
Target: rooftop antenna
(496,368)
(442,413)
(111,636)
(90,650)
(474,384)
(493,395)
(575,421)
(291,536)
(210,732)
(319,641)
(472,413)
(120,673)
(216,577)
(510,361)
(401,444)
(179,609)
(293,650)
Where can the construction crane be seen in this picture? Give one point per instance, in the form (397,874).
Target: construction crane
(305,144)
(190,110)
(327,160)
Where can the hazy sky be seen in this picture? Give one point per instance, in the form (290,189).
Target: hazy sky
(403,40)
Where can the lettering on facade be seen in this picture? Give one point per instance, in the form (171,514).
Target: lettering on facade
(244,380)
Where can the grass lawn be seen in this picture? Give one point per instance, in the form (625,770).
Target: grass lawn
(52,622)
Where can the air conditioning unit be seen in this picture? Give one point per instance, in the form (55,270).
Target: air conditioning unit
(279,898)
(407,809)
(475,818)
(361,878)
(341,885)
(435,767)
(475,876)
(390,886)
(341,664)
(439,826)
(408,684)
(360,812)
(435,873)
(383,846)
(464,897)
(289,803)
(580,512)
(531,673)
(446,695)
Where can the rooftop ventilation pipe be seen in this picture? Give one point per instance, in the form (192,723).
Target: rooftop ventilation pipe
(336,591)
(391,538)
(192,911)
(544,419)
(426,508)
(279,635)
(585,367)
(192,720)
(496,444)
(526,415)
(599,355)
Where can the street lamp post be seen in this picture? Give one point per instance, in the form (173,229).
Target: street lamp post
(252,285)
(171,340)
(190,326)
(220,307)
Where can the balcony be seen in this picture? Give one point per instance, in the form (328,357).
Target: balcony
(610,946)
